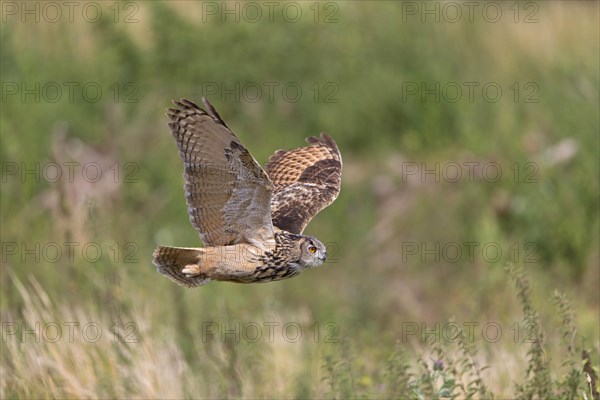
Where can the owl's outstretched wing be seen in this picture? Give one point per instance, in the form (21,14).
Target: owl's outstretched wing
(306,180)
(228,194)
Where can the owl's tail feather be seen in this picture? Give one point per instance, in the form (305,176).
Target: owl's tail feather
(172,261)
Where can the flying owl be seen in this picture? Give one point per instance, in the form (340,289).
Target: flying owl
(250,219)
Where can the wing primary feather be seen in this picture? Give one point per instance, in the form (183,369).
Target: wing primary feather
(212,112)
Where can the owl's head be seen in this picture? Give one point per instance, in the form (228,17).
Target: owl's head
(313,252)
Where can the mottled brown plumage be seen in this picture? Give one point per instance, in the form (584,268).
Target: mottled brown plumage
(227,193)
(249,220)
(306,180)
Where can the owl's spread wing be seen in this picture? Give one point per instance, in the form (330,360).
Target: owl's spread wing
(228,194)
(306,180)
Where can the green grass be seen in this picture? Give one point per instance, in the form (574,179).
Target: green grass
(355,312)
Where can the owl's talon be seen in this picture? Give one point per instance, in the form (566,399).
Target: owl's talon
(191,269)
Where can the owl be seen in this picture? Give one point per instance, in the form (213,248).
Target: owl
(250,219)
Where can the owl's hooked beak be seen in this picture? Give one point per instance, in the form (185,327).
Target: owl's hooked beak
(324,257)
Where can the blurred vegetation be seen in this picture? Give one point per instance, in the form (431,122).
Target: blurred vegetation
(543,209)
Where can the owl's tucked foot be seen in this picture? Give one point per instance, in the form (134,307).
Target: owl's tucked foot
(181,265)
(191,269)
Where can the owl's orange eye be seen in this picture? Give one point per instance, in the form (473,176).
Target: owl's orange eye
(312,249)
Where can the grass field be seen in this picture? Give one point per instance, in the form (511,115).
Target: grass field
(464,257)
